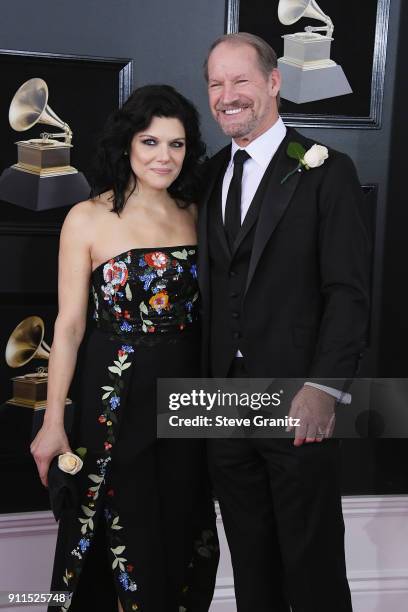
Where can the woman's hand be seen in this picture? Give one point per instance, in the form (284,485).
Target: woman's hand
(50,441)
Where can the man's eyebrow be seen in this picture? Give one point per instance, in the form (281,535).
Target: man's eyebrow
(236,77)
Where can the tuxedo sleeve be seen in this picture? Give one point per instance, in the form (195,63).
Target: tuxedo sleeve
(344,260)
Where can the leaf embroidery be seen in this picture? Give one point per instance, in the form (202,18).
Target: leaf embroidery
(180,254)
(143,308)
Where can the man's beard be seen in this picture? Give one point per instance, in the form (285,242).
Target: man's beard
(242,129)
(245,127)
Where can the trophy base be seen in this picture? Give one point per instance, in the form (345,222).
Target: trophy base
(302,84)
(306,47)
(30,390)
(33,405)
(44,157)
(42,192)
(45,172)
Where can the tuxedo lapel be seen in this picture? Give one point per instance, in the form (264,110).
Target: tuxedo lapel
(216,166)
(250,219)
(276,199)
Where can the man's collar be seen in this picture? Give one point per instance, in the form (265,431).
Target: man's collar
(265,146)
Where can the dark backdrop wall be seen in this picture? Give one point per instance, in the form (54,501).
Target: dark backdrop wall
(167,42)
(394,333)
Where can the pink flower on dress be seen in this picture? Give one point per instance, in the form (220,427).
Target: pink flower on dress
(115,273)
(157,259)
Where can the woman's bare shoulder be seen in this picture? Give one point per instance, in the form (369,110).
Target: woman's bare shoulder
(87,212)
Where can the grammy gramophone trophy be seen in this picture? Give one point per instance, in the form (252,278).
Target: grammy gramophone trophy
(308,73)
(26,342)
(45,156)
(43,177)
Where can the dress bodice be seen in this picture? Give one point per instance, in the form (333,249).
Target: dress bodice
(147,291)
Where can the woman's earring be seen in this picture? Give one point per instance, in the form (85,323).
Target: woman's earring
(125,153)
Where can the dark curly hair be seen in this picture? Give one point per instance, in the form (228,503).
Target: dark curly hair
(112,168)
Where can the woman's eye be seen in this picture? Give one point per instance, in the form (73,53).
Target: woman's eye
(149,141)
(178,144)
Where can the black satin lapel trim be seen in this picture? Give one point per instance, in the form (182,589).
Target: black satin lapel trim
(218,165)
(220,229)
(249,220)
(276,200)
(217,175)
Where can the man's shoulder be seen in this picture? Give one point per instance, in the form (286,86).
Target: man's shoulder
(212,165)
(336,173)
(219,157)
(335,156)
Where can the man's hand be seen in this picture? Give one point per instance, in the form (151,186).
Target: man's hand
(315,409)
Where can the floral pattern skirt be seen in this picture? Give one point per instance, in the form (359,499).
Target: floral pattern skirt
(144,530)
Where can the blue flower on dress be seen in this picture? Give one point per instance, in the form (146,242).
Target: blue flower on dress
(127,348)
(124,580)
(126,327)
(107,514)
(114,402)
(147,279)
(84,544)
(142,262)
(189,306)
(193,270)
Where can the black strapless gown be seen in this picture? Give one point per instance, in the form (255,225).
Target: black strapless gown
(144,530)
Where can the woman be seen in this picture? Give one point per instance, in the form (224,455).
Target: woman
(128,544)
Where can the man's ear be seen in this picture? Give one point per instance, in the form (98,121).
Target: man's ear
(274,82)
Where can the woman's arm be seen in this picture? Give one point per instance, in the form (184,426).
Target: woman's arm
(73,288)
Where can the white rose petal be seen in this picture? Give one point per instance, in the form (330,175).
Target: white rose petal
(70,463)
(315,156)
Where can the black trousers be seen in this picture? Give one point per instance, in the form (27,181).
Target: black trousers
(281,510)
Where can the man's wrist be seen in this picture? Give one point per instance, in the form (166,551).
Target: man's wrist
(341,396)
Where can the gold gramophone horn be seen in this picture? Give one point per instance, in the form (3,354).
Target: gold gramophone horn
(29,107)
(26,343)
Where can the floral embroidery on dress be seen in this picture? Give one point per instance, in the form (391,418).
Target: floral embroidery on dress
(168,303)
(115,274)
(119,563)
(111,397)
(159,301)
(157,259)
(155,271)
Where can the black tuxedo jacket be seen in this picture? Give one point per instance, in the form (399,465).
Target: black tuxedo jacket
(305,306)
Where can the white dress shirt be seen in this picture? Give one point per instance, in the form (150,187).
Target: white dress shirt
(261,151)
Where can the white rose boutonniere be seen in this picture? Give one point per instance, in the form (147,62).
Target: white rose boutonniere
(70,463)
(313,158)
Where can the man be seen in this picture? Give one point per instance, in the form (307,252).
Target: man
(284,281)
